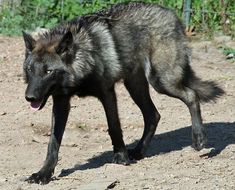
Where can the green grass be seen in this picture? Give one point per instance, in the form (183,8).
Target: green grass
(228,50)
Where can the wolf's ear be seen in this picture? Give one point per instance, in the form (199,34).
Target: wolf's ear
(65,43)
(29,41)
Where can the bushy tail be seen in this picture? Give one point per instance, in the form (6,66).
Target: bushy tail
(206,90)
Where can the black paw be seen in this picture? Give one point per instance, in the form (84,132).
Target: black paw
(135,154)
(39,178)
(121,158)
(199,140)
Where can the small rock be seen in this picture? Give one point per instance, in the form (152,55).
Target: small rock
(230,56)
(112,185)
(3,113)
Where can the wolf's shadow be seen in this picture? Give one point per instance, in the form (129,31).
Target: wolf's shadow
(219,135)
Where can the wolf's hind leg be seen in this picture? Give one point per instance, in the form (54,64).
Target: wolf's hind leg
(138,88)
(168,71)
(190,98)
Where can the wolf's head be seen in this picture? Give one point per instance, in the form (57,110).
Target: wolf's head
(46,67)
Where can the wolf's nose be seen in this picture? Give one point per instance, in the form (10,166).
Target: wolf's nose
(30,98)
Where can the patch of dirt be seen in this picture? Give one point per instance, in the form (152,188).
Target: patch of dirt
(86,152)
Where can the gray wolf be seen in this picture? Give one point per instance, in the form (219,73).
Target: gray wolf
(138,43)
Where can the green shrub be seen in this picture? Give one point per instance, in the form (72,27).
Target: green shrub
(47,13)
(9,20)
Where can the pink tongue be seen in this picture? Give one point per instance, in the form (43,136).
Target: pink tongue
(35,105)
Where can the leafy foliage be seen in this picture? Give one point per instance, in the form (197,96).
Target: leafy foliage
(30,14)
(207,15)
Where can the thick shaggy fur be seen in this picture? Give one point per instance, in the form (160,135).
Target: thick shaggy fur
(139,43)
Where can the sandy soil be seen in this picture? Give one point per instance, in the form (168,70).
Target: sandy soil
(86,151)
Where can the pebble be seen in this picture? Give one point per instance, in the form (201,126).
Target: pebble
(3,113)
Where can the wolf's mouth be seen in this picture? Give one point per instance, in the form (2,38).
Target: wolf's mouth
(38,105)
(35,106)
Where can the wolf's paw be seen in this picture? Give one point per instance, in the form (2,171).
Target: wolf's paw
(40,178)
(135,154)
(199,140)
(121,158)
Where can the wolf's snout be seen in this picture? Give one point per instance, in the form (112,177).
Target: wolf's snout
(30,98)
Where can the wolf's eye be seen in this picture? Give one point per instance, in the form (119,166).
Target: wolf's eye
(48,71)
(29,69)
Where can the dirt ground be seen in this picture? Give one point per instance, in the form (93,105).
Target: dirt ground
(86,152)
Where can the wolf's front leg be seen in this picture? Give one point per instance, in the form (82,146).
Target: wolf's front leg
(109,102)
(61,107)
